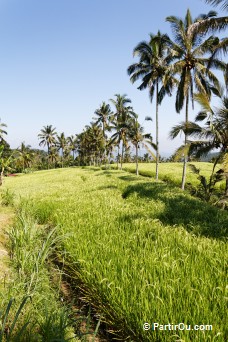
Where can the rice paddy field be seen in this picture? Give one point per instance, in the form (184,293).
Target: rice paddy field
(141,251)
(172,172)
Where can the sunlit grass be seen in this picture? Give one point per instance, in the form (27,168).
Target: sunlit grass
(171,172)
(143,251)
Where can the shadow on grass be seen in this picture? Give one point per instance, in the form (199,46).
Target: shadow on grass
(194,215)
(107,187)
(128,178)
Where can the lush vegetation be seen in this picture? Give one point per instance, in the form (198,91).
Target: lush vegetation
(143,251)
(140,250)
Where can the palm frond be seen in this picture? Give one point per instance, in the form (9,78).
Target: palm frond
(222,3)
(181,152)
(194,169)
(208,25)
(203,100)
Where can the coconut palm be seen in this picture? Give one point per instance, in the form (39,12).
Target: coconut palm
(137,138)
(152,69)
(72,144)
(47,136)
(61,144)
(25,156)
(90,145)
(103,118)
(213,135)
(120,123)
(190,52)
(54,155)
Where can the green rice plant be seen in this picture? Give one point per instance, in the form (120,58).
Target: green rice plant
(55,326)
(7,328)
(171,172)
(7,198)
(32,246)
(142,251)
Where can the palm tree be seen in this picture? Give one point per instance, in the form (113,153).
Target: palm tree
(54,155)
(61,144)
(192,66)
(137,137)
(152,69)
(47,137)
(90,145)
(104,114)
(25,156)
(72,143)
(120,123)
(214,135)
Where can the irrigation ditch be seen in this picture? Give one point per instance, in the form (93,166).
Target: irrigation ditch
(71,292)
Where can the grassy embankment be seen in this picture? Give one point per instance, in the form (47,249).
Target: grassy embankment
(30,307)
(143,251)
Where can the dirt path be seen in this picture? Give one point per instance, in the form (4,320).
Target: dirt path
(6,217)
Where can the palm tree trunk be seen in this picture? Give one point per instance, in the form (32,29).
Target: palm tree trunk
(185,142)
(157,140)
(118,151)
(104,146)
(226,189)
(122,155)
(48,153)
(1,176)
(136,160)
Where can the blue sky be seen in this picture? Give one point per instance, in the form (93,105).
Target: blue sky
(61,58)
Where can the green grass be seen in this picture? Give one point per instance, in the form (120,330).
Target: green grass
(171,172)
(30,309)
(142,251)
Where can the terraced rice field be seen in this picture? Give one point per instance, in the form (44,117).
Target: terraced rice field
(172,172)
(144,252)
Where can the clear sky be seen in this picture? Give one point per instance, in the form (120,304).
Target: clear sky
(60,59)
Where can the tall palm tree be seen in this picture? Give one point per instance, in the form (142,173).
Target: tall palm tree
(61,144)
(120,123)
(137,138)
(103,117)
(47,136)
(152,69)
(72,143)
(190,52)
